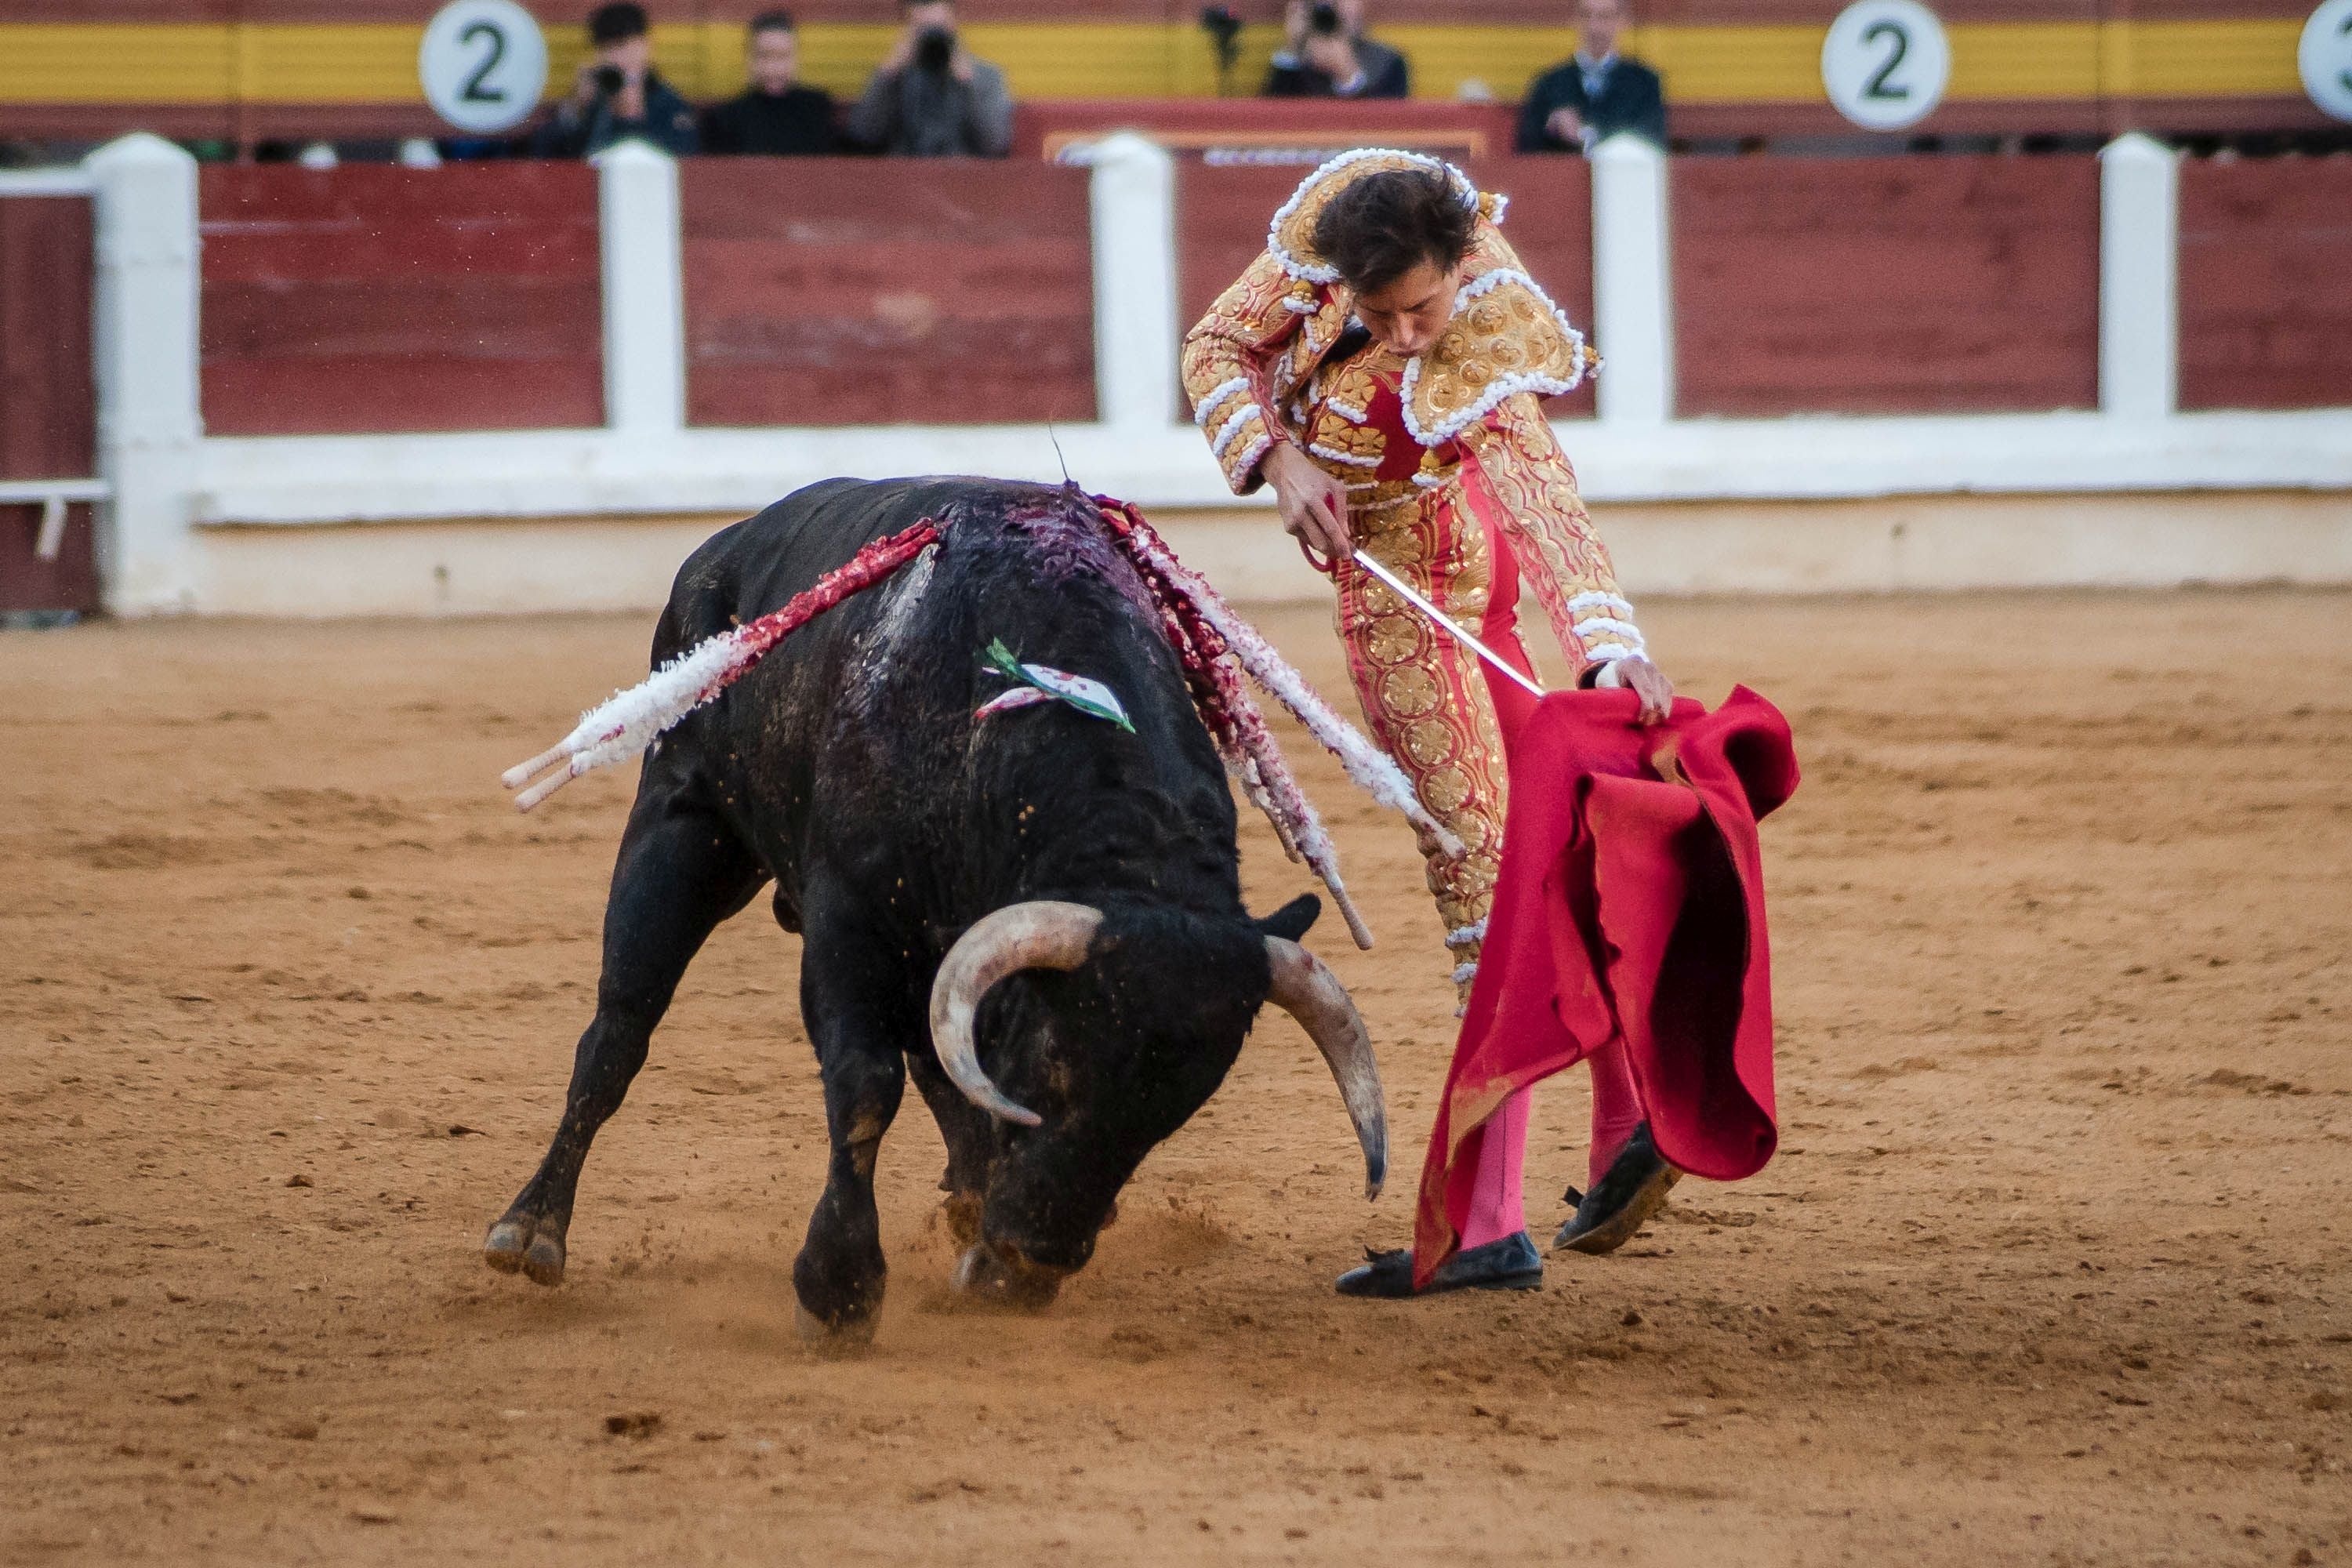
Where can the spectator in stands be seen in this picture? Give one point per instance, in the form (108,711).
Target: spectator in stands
(1573,108)
(776,116)
(930,99)
(1327,54)
(618,94)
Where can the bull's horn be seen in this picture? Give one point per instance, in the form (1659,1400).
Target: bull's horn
(1306,988)
(1041,934)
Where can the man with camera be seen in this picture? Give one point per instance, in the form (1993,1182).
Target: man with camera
(617,94)
(1575,107)
(931,98)
(1326,54)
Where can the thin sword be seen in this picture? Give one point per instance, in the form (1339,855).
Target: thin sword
(1446,621)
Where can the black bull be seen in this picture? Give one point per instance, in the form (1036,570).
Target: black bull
(1035,910)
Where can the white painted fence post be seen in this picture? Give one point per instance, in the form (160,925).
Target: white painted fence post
(1133,197)
(144,349)
(2139,278)
(1632,286)
(645,289)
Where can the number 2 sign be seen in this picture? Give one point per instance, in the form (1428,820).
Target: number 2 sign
(483,64)
(2325,56)
(1886,63)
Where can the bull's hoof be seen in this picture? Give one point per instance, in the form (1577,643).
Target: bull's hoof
(518,1245)
(851,1337)
(985,1276)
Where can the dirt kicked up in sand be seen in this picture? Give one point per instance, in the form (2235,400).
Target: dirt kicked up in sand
(2051,1267)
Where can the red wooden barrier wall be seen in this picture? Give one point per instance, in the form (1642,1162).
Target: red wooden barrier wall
(2265,256)
(1221,215)
(842,292)
(1885,285)
(373,298)
(48,412)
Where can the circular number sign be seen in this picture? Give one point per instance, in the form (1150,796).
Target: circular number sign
(2325,57)
(1886,62)
(483,64)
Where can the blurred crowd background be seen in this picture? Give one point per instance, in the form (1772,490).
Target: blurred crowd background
(337,80)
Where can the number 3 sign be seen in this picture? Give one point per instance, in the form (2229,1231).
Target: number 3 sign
(483,64)
(1886,63)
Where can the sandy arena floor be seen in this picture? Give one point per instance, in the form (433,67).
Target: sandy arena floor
(2051,1268)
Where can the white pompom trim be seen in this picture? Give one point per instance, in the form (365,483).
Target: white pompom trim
(1203,411)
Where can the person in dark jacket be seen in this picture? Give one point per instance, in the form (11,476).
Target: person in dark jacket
(776,116)
(617,94)
(1575,107)
(1327,54)
(931,98)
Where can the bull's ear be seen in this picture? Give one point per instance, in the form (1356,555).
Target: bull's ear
(1294,920)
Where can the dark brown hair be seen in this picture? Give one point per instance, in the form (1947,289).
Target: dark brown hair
(1385,225)
(613,23)
(773,22)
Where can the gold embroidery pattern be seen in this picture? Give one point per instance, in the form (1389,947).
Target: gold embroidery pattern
(1505,337)
(1349,390)
(1552,539)
(1424,698)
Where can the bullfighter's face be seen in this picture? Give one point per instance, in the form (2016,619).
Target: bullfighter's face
(1408,312)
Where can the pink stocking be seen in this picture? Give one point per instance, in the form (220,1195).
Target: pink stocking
(1495,1210)
(1616,1105)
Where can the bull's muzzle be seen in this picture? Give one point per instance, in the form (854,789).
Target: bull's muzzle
(992,1275)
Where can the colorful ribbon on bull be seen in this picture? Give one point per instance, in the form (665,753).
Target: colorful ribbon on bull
(1037,683)
(1213,644)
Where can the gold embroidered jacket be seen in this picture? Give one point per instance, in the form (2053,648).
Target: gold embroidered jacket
(1258,370)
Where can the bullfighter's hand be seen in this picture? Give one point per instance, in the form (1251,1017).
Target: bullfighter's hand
(1650,685)
(1314,504)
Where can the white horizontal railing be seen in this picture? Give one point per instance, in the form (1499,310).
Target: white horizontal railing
(52,496)
(169,483)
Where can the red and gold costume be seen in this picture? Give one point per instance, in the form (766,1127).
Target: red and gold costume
(1454,482)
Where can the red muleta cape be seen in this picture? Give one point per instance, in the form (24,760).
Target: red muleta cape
(1631,901)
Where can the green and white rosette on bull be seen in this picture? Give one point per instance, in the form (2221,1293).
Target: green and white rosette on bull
(1036,683)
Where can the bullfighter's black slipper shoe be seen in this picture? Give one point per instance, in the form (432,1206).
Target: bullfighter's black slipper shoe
(1510,1264)
(1622,1202)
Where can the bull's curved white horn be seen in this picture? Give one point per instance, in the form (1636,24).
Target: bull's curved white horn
(1305,987)
(1041,934)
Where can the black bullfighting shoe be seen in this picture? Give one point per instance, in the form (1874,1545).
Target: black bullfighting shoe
(1620,1203)
(1510,1264)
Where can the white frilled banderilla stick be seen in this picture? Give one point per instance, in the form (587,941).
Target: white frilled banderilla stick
(625,724)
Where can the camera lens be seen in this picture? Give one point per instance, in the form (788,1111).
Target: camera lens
(934,50)
(1323,19)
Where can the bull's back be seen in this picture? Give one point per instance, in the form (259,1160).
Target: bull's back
(858,730)
(758,566)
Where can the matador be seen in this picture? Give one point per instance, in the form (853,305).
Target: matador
(1381,365)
